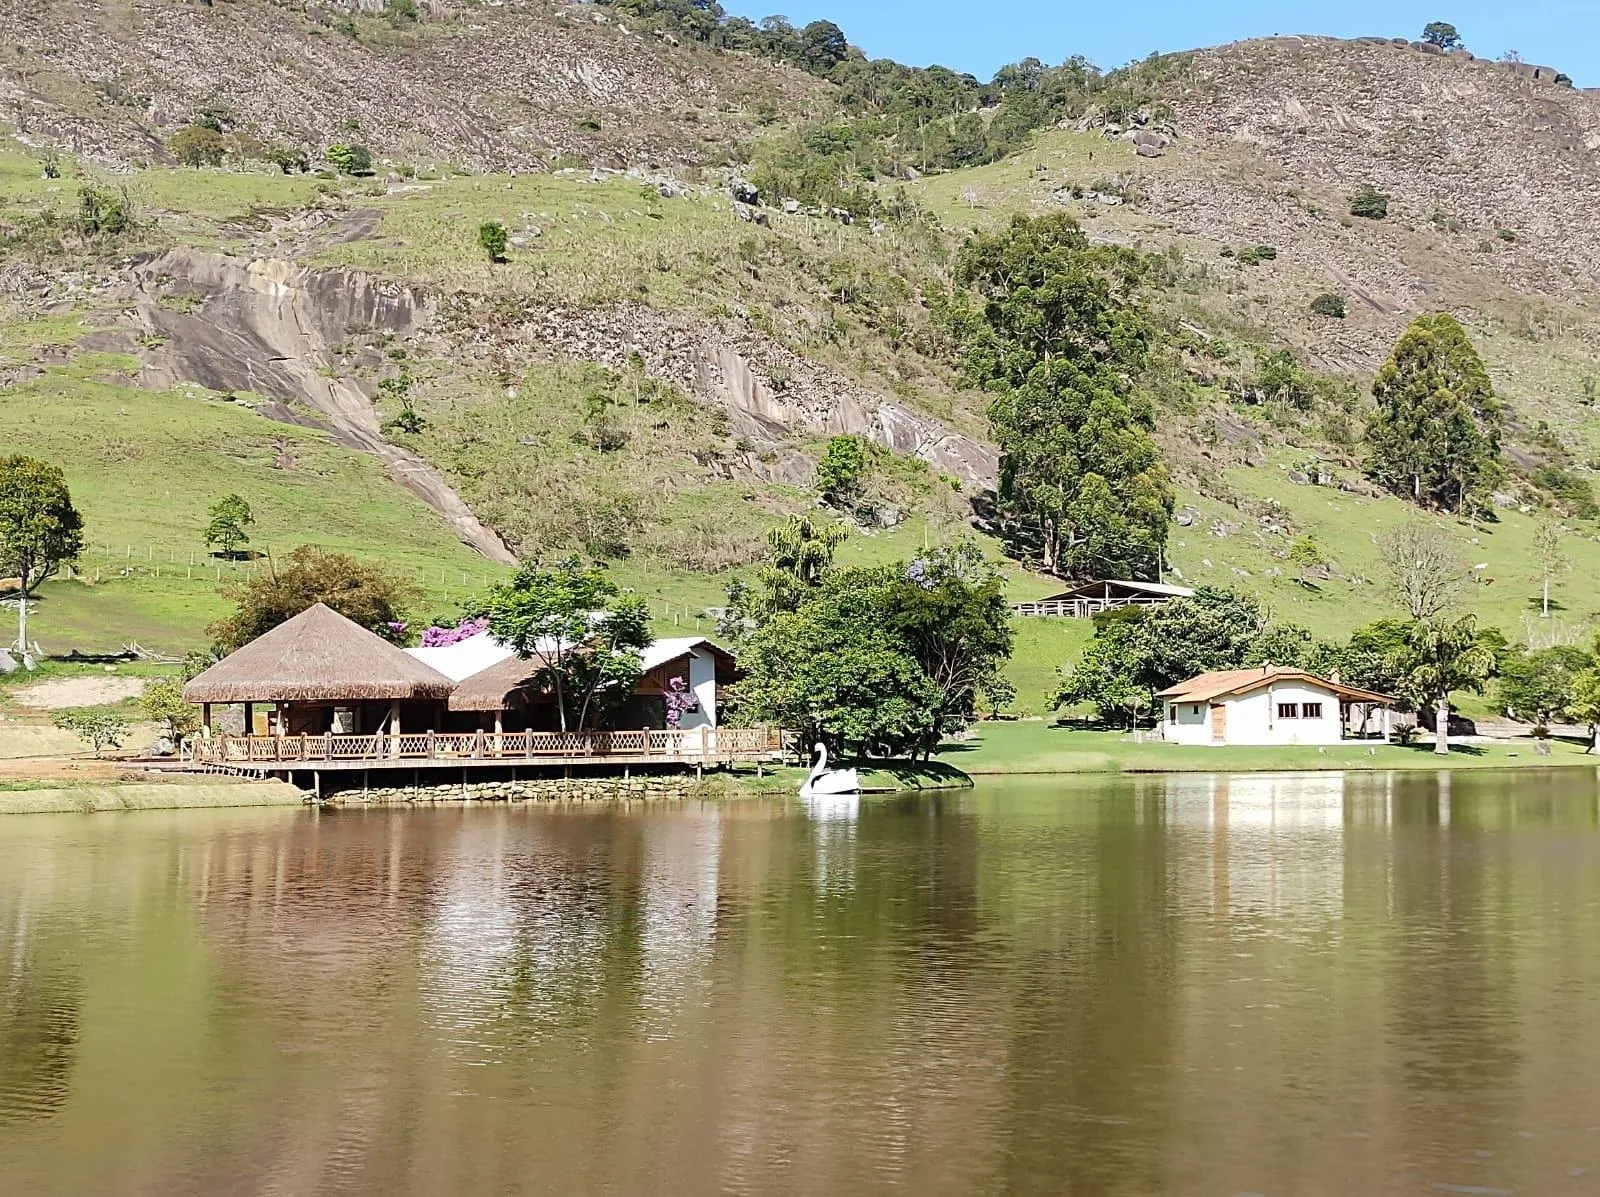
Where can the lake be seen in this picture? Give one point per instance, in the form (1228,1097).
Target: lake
(1315,984)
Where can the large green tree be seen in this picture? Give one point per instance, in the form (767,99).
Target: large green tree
(949,609)
(1584,702)
(834,671)
(1539,685)
(1435,435)
(363,593)
(1133,653)
(1059,341)
(1441,656)
(586,635)
(40,529)
(1441,34)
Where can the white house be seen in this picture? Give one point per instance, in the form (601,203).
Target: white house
(1269,705)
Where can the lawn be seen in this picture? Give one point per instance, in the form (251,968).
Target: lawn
(1033,746)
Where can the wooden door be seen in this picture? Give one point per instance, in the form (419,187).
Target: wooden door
(1219,723)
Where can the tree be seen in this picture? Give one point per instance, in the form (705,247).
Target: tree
(1286,645)
(1135,653)
(586,635)
(1538,686)
(1424,574)
(1440,657)
(799,555)
(100,729)
(198,145)
(40,530)
(1441,34)
(835,671)
(365,594)
(1306,556)
(1435,435)
(162,702)
(1584,703)
(351,159)
(822,47)
(1552,559)
(288,159)
(1058,340)
(840,470)
(1111,670)
(492,237)
(230,516)
(950,610)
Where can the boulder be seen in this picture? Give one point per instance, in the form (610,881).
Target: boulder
(744,191)
(1145,150)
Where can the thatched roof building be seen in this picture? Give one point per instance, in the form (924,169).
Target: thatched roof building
(319,656)
(497,688)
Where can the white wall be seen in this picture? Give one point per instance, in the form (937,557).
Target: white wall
(703,681)
(1193,725)
(1253,718)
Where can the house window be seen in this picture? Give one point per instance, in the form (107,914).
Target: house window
(1196,710)
(1311,710)
(1288,710)
(1172,714)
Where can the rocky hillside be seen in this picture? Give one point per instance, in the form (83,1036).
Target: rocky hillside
(517,85)
(653,372)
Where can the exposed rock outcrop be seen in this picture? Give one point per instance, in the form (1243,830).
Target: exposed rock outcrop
(267,327)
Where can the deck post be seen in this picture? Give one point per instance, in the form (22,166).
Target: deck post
(478,745)
(249,718)
(499,731)
(205,720)
(394,728)
(316,783)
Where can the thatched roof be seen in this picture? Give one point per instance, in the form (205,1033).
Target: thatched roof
(497,688)
(318,656)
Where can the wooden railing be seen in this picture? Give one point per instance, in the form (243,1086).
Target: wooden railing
(1082,608)
(698,745)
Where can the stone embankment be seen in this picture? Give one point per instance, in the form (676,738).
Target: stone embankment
(536,789)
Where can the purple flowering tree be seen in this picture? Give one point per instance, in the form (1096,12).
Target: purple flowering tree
(437,637)
(681,701)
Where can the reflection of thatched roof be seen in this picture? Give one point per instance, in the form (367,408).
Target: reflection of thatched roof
(497,688)
(318,656)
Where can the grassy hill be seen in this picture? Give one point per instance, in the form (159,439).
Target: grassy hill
(577,397)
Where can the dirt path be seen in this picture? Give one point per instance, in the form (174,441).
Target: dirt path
(79,692)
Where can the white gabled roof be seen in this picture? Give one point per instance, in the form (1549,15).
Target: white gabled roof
(670,649)
(473,655)
(465,657)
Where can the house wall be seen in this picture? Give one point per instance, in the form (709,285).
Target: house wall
(703,681)
(1253,718)
(1193,723)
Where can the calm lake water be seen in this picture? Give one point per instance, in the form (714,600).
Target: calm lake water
(1197,985)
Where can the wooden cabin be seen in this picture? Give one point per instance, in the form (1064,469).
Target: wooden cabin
(1088,599)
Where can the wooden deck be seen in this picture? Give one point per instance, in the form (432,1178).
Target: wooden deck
(701,747)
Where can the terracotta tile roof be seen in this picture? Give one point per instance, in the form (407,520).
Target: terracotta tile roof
(1227,682)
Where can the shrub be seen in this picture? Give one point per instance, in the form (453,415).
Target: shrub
(288,159)
(198,145)
(1258,253)
(351,159)
(98,728)
(104,212)
(1370,203)
(1329,304)
(492,237)
(840,470)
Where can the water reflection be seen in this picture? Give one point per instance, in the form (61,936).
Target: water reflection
(1306,984)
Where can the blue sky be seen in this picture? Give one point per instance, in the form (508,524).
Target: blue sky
(979,37)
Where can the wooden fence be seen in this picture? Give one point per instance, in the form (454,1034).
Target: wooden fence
(705,745)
